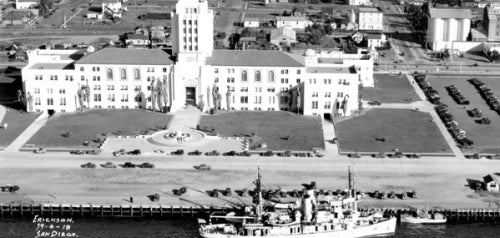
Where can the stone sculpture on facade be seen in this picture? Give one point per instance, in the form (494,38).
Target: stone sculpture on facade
(83,95)
(228,98)
(216,97)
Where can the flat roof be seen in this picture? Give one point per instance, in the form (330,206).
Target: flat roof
(330,60)
(53,66)
(291,18)
(461,13)
(127,56)
(369,9)
(330,70)
(265,58)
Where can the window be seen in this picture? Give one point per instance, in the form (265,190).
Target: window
(137,88)
(50,101)
(97,97)
(244,76)
(123,74)
(284,99)
(298,71)
(258,99)
(216,80)
(340,81)
(284,80)
(314,104)
(298,80)
(257,76)
(230,79)
(271,90)
(98,69)
(328,105)
(49,90)
(81,69)
(82,78)
(93,69)
(216,70)
(124,98)
(97,87)
(124,87)
(111,97)
(67,78)
(38,101)
(244,89)
(328,94)
(315,94)
(137,74)
(109,74)
(258,89)
(138,99)
(340,94)
(271,76)
(244,99)
(111,87)
(272,99)
(164,70)
(37,91)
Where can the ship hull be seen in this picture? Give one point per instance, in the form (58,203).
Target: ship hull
(414,220)
(385,228)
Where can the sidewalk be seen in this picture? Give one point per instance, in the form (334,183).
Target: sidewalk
(329,134)
(185,119)
(24,137)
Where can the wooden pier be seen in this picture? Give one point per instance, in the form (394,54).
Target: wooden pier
(70,211)
(60,210)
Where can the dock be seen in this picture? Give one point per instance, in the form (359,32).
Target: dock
(165,212)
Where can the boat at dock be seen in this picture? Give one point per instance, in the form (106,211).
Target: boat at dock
(310,217)
(425,218)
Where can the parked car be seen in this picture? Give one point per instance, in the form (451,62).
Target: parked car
(177,152)
(108,165)
(484,121)
(134,152)
(92,152)
(230,153)
(88,165)
(196,152)
(39,151)
(77,152)
(202,167)
(212,153)
(146,166)
(120,152)
(374,102)
(128,165)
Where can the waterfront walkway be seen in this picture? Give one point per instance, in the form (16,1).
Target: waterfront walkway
(26,135)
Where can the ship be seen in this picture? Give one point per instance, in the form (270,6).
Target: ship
(425,218)
(311,216)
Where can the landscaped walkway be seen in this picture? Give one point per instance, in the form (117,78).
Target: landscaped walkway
(28,133)
(329,134)
(185,120)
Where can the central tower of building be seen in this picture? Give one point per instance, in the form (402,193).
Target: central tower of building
(192,30)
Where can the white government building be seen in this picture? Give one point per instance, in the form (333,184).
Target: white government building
(312,82)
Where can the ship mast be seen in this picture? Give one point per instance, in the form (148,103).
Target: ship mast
(352,191)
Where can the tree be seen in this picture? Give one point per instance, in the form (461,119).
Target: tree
(45,7)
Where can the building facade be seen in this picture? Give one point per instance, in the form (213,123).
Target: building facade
(370,18)
(311,82)
(446,26)
(293,22)
(26,4)
(359,2)
(491,21)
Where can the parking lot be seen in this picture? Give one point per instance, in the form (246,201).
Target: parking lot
(485,137)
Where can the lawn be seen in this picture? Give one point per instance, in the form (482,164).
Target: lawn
(407,130)
(303,132)
(17,122)
(90,125)
(390,89)
(485,137)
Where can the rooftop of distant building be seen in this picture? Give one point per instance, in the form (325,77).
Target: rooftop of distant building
(331,70)
(265,58)
(369,9)
(127,56)
(53,66)
(460,13)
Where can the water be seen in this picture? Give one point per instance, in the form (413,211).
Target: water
(137,228)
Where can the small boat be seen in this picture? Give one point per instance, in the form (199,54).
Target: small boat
(425,218)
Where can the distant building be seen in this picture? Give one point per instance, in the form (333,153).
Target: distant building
(492,182)
(283,36)
(376,40)
(468,3)
(136,40)
(447,25)
(359,2)
(491,22)
(25,4)
(292,22)
(113,8)
(17,18)
(251,22)
(370,18)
